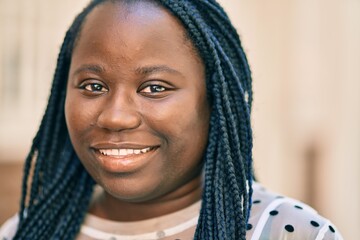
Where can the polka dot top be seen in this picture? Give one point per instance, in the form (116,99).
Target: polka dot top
(273,217)
(278,217)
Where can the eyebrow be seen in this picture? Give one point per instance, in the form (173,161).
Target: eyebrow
(155,69)
(140,70)
(89,68)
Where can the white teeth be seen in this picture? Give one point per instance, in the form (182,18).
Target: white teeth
(123,151)
(145,150)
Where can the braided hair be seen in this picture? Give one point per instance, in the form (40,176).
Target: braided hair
(54,203)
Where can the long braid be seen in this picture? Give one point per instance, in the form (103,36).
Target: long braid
(78,206)
(60,185)
(24,189)
(243,111)
(236,62)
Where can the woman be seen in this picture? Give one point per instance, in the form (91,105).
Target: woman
(151,100)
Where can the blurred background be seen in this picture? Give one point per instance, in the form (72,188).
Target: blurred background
(305,59)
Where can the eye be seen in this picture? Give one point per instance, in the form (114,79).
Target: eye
(153,89)
(96,88)
(156,89)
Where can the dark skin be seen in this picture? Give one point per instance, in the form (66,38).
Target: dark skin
(137,111)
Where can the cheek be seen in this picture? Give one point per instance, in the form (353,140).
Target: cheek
(182,121)
(79,114)
(78,117)
(72,116)
(77,120)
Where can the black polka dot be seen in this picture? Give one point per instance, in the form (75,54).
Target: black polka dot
(331,229)
(256,201)
(315,224)
(249,226)
(289,228)
(273,213)
(298,207)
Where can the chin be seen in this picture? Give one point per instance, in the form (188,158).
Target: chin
(130,191)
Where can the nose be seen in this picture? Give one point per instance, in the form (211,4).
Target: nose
(119,114)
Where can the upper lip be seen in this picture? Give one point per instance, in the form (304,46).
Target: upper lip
(123,145)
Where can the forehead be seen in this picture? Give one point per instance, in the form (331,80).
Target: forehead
(134,19)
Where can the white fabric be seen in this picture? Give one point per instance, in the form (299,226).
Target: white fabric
(273,217)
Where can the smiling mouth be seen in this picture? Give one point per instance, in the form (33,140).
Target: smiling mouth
(124,152)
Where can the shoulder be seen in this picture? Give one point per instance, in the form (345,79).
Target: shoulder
(8,229)
(277,217)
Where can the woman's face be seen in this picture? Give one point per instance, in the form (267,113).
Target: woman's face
(136,106)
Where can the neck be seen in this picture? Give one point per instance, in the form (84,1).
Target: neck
(108,207)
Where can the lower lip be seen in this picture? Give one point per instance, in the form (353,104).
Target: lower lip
(124,164)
